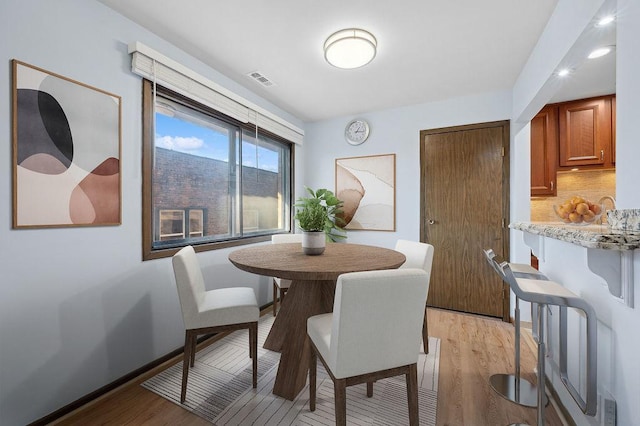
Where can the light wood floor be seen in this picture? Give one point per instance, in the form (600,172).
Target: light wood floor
(472,349)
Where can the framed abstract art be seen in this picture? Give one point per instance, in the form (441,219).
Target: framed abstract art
(367,185)
(66,151)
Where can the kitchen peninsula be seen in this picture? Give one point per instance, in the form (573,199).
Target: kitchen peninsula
(596,262)
(610,246)
(589,236)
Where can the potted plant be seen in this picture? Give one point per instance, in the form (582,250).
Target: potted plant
(316,216)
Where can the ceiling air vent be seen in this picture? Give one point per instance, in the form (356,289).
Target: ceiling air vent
(261,78)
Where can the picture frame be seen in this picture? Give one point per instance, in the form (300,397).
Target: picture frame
(367,186)
(66,139)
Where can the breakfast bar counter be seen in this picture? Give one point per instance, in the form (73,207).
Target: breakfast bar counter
(609,247)
(599,263)
(589,236)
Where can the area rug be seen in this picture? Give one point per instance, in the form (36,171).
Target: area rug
(219,389)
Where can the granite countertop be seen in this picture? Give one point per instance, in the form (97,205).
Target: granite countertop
(589,236)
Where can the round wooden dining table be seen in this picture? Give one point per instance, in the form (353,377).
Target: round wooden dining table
(311,293)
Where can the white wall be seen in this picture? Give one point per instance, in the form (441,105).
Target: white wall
(520,208)
(534,87)
(625,321)
(78,307)
(628,105)
(617,364)
(395,131)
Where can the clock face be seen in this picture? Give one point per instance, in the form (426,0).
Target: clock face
(356,132)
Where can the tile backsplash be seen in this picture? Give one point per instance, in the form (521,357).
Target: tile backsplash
(590,184)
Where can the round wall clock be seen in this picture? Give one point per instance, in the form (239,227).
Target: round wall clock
(356,132)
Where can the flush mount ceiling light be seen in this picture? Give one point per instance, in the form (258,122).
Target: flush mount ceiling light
(564,72)
(350,48)
(601,51)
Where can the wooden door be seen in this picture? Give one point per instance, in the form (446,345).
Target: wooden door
(544,151)
(464,209)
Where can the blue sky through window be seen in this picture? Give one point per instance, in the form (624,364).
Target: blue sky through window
(184,136)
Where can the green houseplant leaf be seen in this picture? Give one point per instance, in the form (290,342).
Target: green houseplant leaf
(318,213)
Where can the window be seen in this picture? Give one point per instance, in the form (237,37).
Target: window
(171,224)
(207,179)
(195,223)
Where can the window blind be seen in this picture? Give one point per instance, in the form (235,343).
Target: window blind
(150,64)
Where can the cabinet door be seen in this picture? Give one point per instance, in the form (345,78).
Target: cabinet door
(613,130)
(544,148)
(585,132)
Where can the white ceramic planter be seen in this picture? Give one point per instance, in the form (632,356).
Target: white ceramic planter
(313,242)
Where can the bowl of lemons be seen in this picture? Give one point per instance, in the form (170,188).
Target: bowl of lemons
(578,210)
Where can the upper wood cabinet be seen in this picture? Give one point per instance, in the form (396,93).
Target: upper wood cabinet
(613,130)
(585,133)
(544,149)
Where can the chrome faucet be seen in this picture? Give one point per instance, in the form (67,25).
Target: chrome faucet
(610,198)
(603,218)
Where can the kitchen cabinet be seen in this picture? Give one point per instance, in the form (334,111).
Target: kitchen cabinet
(585,133)
(544,149)
(613,130)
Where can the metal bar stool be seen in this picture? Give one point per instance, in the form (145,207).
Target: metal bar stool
(512,386)
(545,293)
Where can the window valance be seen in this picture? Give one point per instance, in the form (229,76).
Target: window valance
(151,64)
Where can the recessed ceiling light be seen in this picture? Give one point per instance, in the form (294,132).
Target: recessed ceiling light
(601,51)
(606,20)
(564,72)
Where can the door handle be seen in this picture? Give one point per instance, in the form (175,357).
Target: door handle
(431,221)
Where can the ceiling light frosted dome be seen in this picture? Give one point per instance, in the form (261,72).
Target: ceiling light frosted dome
(350,48)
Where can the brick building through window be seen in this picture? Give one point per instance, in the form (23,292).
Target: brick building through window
(191,197)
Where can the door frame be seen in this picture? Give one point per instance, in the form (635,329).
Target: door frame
(506,142)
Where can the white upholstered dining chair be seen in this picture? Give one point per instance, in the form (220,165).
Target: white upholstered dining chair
(280,286)
(372,333)
(419,255)
(211,311)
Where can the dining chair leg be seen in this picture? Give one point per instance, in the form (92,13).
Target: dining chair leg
(425,333)
(275,298)
(340,396)
(253,351)
(312,379)
(185,365)
(194,342)
(369,389)
(412,394)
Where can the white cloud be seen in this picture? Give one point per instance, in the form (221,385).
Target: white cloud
(179,143)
